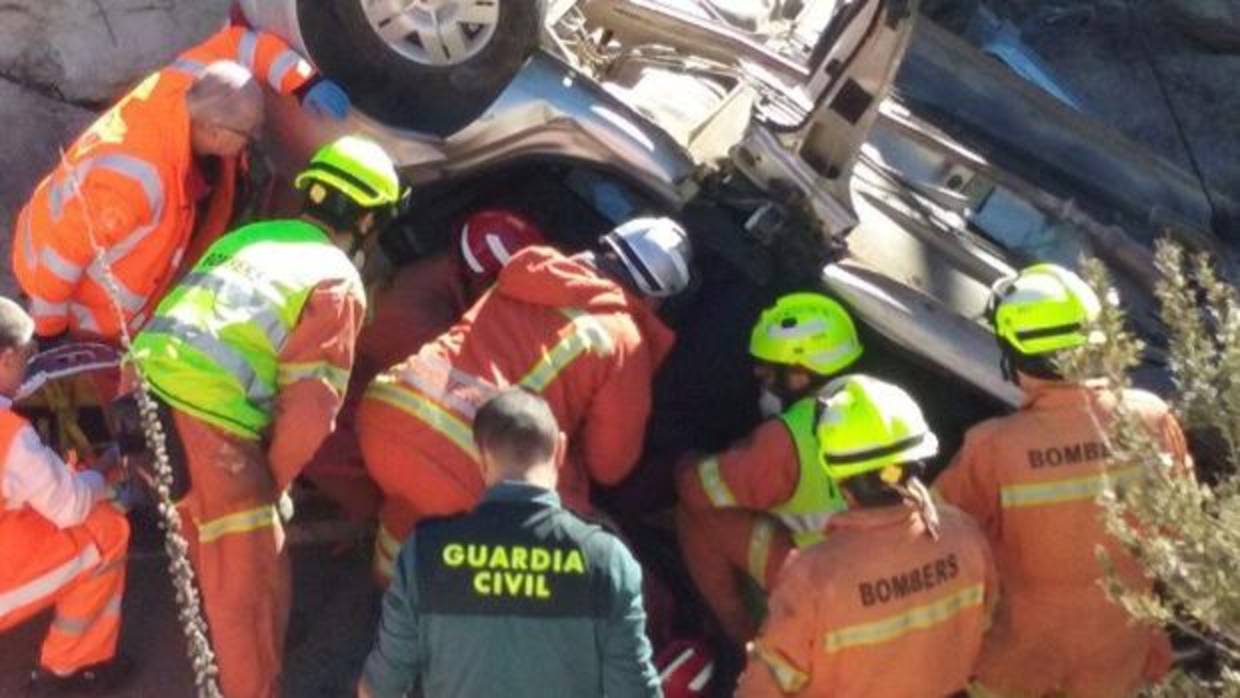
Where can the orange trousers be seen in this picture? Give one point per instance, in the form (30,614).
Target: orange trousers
(236,546)
(337,468)
(719,545)
(78,570)
(414,487)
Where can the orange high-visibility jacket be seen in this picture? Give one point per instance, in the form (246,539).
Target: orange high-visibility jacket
(62,548)
(557,326)
(1031,479)
(123,185)
(36,566)
(759,472)
(878,610)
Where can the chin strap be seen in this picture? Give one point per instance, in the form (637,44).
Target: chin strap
(1007,363)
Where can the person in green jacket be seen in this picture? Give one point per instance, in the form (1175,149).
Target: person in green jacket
(744,509)
(520,597)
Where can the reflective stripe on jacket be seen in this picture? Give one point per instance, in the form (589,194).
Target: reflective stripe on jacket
(212,347)
(120,192)
(557,326)
(1031,479)
(445,397)
(34,568)
(879,610)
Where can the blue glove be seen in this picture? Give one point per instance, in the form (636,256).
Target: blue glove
(326,98)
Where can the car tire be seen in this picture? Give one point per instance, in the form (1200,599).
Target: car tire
(402,92)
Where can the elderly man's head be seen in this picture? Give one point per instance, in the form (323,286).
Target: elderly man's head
(225,109)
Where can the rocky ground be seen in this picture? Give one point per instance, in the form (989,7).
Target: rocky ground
(1150,69)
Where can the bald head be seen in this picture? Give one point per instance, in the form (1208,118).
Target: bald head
(225,97)
(16,326)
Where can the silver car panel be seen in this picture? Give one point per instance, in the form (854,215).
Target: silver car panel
(547,111)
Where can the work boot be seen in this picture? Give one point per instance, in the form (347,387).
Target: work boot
(96,679)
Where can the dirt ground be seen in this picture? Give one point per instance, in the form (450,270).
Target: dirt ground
(330,632)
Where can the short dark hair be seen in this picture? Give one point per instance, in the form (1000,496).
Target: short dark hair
(16,325)
(870,490)
(518,428)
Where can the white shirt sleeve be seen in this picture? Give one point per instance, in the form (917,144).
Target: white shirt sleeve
(35,476)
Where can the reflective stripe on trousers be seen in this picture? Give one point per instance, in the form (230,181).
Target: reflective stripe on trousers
(265,516)
(50,582)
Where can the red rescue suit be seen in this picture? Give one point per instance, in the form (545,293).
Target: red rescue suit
(551,323)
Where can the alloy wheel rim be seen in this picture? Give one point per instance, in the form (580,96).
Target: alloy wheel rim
(434,32)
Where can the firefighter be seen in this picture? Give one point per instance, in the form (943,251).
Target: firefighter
(249,356)
(151,182)
(420,303)
(1031,480)
(427,296)
(581,331)
(519,597)
(743,510)
(893,603)
(62,542)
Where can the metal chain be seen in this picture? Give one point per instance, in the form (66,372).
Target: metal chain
(189,604)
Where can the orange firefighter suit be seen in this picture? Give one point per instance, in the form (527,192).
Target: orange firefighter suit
(881,609)
(422,301)
(1030,479)
(231,513)
(718,538)
(62,546)
(551,323)
(127,185)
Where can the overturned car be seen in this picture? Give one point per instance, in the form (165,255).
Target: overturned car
(773,132)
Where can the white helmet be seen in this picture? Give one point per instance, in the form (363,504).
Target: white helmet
(655,252)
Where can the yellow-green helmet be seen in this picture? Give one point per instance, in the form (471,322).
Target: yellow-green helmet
(356,167)
(1044,308)
(865,424)
(807,330)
